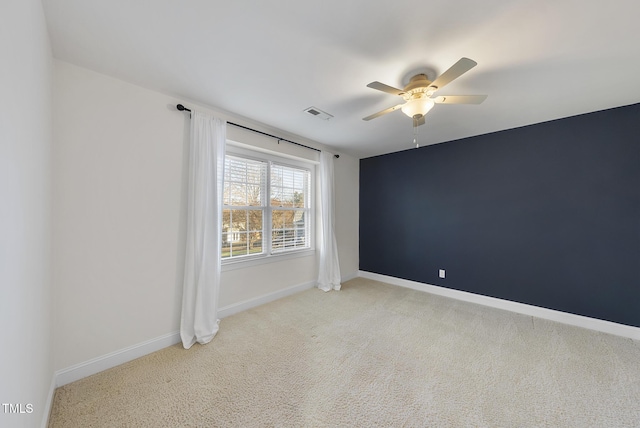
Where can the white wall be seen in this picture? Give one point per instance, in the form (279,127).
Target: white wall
(347,197)
(25,156)
(118,154)
(119,186)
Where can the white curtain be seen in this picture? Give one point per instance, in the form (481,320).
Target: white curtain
(199,321)
(329,269)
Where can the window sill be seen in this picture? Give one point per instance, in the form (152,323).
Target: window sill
(264,259)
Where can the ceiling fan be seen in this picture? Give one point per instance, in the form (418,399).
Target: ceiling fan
(417,94)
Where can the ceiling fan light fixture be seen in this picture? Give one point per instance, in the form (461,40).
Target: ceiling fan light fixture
(418,106)
(418,91)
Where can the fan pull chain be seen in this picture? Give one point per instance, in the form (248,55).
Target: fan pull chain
(415,136)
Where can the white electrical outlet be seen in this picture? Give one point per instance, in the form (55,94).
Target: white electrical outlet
(441,273)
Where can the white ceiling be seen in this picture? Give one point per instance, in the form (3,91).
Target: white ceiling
(269,60)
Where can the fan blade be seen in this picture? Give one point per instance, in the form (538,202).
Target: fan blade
(385,88)
(455,71)
(418,122)
(380,113)
(460,99)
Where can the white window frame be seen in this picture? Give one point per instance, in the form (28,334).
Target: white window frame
(267,255)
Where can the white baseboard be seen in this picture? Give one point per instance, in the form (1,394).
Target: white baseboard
(49,403)
(521,308)
(252,303)
(350,276)
(98,364)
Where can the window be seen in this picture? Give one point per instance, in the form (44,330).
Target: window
(243,210)
(266,207)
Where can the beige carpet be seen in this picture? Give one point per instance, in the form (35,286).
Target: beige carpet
(370,355)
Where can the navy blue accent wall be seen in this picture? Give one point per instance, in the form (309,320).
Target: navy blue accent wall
(547,214)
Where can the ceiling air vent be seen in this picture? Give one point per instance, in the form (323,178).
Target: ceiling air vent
(314,111)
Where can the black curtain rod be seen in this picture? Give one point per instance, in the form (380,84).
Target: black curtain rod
(183,108)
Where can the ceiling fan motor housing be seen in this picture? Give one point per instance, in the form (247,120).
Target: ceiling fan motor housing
(418,87)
